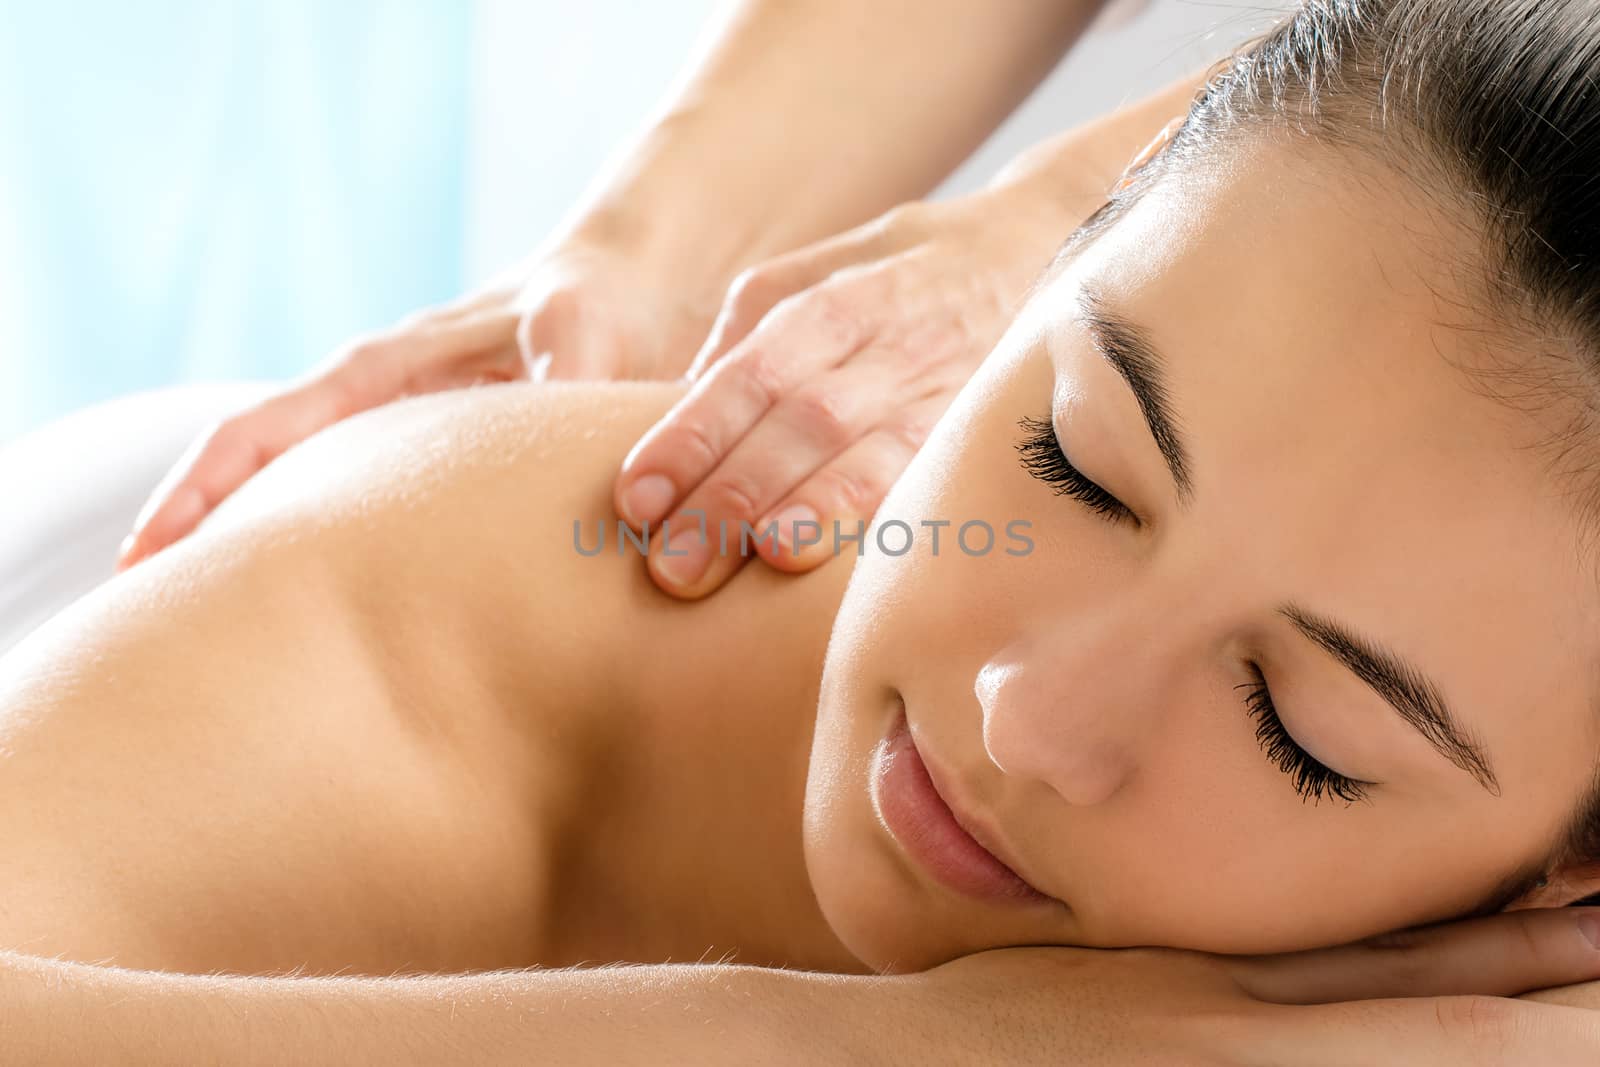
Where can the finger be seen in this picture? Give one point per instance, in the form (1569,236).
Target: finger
(1501,955)
(554,343)
(465,351)
(221,461)
(760,289)
(803,431)
(1452,1031)
(1578,995)
(793,345)
(370,373)
(834,506)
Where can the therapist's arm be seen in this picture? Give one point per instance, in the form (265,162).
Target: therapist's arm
(804,117)
(796,119)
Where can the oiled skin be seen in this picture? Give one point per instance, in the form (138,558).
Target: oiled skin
(381,716)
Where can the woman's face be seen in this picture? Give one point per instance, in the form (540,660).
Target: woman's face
(1288,492)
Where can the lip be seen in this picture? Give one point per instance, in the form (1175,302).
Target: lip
(932,832)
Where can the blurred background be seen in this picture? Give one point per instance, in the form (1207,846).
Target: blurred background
(214,190)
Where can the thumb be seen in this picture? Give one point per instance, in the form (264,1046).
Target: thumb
(556,341)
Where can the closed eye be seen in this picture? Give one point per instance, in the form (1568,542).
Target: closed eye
(1312,778)
(1043,457)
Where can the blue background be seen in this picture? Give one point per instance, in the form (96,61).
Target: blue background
(219,190)
(197,190)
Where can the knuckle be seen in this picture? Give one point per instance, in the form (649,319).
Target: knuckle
(368,350)
(755,372)
(1489,1023)
(693,442)
(851,493)
(531,330)
(1528,936)
(222,429)
(555,310)
(826,411)
(555,302)
(904,219)
(911,432)
(755,288)
(934,359)
(228,435)
(734,497)
(834,312)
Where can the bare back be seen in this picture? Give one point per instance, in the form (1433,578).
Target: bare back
(381,715)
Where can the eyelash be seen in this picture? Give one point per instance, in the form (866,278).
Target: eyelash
(1312,780)
(1042,457)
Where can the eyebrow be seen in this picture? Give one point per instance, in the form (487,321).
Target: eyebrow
(1127,348)
(1417,700)
(1407,690)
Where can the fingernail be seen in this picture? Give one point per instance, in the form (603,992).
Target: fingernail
(684,559)
(1590,925)
(647,499)
(790,518)
(126,547)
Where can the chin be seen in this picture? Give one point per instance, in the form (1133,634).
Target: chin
(872,906)
(872,901)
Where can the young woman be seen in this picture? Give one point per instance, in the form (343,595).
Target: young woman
(1283,638)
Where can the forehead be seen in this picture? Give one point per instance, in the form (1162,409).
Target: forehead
(1316,333)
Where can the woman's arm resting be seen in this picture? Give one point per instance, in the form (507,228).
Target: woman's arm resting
(52,1012)
(1444,996)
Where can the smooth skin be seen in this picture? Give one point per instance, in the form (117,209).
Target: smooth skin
(1344,462)
(877,299)
(475,785)
(329,735)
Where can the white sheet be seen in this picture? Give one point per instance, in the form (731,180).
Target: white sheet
(70,492)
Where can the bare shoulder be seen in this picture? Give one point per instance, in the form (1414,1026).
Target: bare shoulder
(330,729)
(454,521)
(483,520)
(547,448)
(284,743)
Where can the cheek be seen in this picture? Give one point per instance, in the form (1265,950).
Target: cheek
(1224,858)
(893,622)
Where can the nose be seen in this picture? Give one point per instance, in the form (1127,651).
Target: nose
(1068,708)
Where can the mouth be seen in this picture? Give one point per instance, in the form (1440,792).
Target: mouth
(940,840)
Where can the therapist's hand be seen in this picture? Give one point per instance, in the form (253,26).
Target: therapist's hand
(1441,996)
(587,307)
(823,374)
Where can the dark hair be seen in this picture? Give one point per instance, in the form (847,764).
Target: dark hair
(1492,107)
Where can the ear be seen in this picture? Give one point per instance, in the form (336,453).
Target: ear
(1564,886)
(1148,152)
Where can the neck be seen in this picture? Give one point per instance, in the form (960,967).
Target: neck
(684,839)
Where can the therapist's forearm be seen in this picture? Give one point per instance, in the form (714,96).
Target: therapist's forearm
(800,119)
(53,1012)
